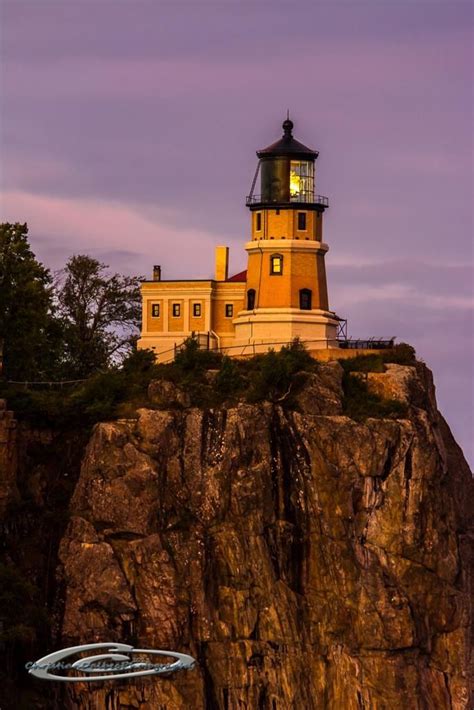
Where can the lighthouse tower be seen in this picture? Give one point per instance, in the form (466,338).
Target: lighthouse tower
(286,293)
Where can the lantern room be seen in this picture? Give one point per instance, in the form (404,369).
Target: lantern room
(286,170)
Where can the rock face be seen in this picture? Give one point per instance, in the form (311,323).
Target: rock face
(8,458)
(306,560)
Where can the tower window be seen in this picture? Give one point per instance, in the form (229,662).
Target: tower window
(196,310)
(305,299)
(176,310)
(155,310)
(258,221)
(276,264)
(301,221)
(229,310)
(250,299)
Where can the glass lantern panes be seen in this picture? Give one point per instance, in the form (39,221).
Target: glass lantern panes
(301,181)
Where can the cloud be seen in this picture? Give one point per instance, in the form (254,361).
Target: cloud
(426,285)
(102,228)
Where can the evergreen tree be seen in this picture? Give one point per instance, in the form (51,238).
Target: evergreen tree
(28,331)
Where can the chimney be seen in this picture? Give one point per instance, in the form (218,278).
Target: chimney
(157,272)
(222,263)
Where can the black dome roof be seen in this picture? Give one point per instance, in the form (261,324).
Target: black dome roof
(287,145)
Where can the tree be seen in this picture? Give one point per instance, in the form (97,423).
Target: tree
(100,314)
(28,330)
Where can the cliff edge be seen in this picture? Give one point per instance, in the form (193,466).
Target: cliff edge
(307,560)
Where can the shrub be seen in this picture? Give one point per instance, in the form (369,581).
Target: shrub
(272,374)
(42,408)
(228,380)
(96,399)
(297,357)
(139,362)
(192,357)
(401,354)
(359,402)
(363,363)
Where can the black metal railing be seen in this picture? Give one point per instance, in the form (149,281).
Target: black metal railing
(301,199)
(370,344)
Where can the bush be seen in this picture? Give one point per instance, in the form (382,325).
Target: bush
(363,363)
(191,357)
(359,403)
(228,380)
(96,399)
(401,354)
(272,375)
(267,376)
(139,362)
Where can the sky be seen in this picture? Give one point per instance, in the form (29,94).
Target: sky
(129,130)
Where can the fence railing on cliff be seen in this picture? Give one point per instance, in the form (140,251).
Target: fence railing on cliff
(47,383)
(250,349)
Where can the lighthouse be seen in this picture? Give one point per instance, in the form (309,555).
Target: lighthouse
(282,295)
(286,289)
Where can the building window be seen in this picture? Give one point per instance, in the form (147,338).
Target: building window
(250,299)
(229,310)
(277,211)
(196,310)
(276,264)
(258,221)
(301,221)
(305,299)
(155,310)
(176,310)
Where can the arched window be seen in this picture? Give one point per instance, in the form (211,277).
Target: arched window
(305,299)
(250,299)
(276,264)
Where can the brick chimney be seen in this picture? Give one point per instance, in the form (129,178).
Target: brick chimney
(222,263)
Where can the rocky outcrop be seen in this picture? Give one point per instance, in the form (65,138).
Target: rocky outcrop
(164,393)
(322,391)
(306,560)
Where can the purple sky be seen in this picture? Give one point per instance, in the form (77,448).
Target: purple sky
(129,131)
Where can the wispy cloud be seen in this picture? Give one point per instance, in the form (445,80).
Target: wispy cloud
(97,227)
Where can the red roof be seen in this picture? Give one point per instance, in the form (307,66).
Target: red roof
(241,276)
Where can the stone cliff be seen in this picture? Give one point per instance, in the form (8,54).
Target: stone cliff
(306,560)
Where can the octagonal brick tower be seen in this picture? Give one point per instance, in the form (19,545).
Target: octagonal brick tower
(286,290)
